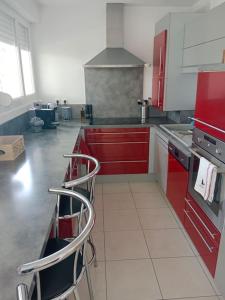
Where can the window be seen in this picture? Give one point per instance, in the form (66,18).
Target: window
(16,72)
(26,60)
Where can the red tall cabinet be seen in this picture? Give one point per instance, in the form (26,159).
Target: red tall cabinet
(159,67)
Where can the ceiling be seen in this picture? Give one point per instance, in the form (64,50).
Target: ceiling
(178,3)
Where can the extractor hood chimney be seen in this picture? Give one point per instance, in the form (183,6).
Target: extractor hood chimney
(114,56)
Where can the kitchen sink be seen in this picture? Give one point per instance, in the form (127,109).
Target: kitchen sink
(181,132)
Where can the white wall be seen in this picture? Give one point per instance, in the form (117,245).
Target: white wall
(139,28)
(68,36)
(65,39)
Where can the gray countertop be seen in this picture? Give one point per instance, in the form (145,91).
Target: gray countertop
(128,122)
(26,208)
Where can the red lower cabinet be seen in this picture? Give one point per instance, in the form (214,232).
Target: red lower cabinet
(202,232)
(177,182)
(119,150)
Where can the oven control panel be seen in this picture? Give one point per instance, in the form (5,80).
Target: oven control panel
(207,142)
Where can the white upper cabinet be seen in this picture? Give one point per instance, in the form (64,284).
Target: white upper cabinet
(204,41)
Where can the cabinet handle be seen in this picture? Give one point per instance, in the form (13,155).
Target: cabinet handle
(160,60)
(159,90)
(210,248)
(207,124)
(197,215)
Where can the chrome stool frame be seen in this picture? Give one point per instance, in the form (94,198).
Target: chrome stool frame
(72,248)
(88,179)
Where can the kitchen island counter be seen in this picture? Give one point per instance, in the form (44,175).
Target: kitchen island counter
(26,207)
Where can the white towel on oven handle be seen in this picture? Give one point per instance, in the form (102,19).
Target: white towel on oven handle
(206,179)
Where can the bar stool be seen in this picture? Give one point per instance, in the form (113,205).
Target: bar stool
(59,272)
(72,208)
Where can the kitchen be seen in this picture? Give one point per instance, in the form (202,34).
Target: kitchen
(112,149)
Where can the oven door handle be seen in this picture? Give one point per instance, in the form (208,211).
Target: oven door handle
(210,248)
(197,215)
(220,169)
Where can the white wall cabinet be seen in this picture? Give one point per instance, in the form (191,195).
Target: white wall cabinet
(204,40)
(179,88)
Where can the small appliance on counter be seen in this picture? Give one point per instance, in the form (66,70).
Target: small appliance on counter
(46,112)
(144,104)
(88,111)
(66,112)
(36,124)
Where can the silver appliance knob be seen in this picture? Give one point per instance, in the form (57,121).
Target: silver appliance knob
(208,145)
(218,151)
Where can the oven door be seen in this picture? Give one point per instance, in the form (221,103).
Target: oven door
(214,210)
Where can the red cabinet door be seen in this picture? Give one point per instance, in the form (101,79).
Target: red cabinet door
(177,182)
(107,152)
(159,68)
(203,233)
(210,103)
(158,92)
(155,92)
(159,54)
(119,150)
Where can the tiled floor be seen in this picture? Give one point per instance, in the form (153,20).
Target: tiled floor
(142,250)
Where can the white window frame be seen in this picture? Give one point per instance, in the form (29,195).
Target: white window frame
(19,20)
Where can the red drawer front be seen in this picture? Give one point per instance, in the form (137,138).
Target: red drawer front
(206,241)
(120,151)
(117,137)
(116,130)
(115,168)
(177,183)
(191,204)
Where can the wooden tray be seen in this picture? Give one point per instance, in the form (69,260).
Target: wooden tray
(11,147)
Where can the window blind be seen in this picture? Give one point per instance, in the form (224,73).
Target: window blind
(7,29)
(23,37)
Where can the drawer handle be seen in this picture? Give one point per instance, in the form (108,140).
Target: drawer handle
(197,215)
(210,248)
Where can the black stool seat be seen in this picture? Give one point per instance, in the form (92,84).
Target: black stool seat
(64,207)
(60,277)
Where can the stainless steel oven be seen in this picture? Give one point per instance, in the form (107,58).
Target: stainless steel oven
(213,150)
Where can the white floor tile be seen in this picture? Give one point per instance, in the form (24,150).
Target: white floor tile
(98,283)
(98,188)
(149,200)
(116,220)
(167,243)
(98,204)
(115,188)
(125,245)
(131,280)
(144,187)
(182,277)
(158,218)
(118,201)
(99,242)
(98,226)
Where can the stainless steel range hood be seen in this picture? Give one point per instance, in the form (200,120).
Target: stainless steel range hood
(114,56)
